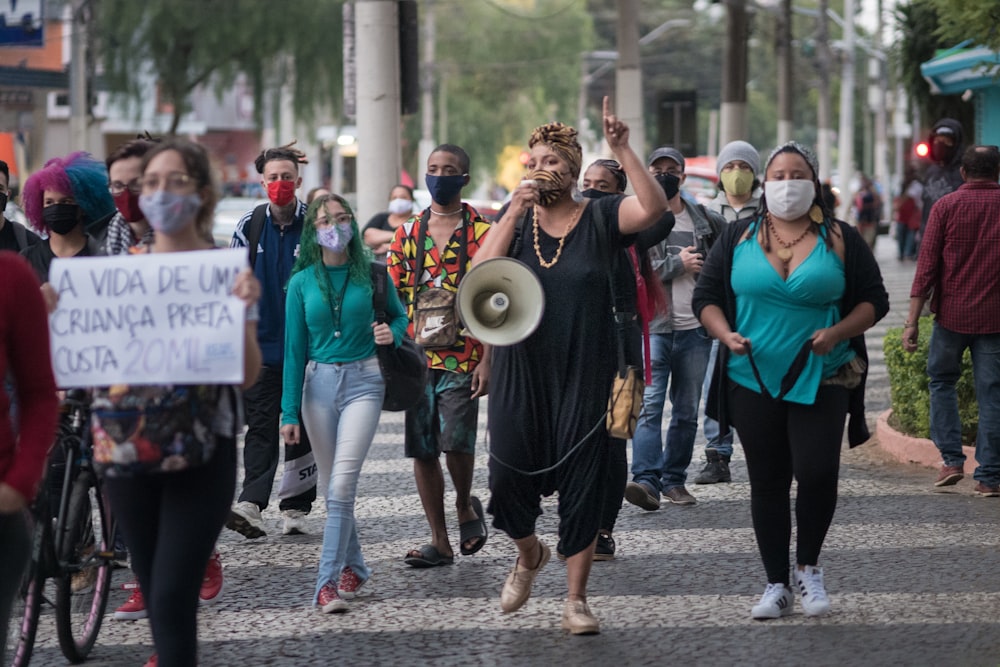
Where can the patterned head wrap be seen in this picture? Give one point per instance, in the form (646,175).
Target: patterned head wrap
(796,147)
(562,139)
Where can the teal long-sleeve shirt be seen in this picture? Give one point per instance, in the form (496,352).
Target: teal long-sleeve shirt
(310,329)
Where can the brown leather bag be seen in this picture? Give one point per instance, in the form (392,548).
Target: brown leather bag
(625,403)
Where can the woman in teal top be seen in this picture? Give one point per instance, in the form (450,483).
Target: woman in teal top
(789,294)
(331,371)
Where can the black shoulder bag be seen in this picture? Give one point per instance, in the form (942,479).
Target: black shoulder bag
(404,368)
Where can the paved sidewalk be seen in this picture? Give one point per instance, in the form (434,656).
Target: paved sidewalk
(912,575)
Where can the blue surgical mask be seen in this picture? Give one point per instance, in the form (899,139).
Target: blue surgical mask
(336,237)
(168,212)
(444,189)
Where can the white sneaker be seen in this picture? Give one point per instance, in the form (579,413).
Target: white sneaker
(811,590)
(777,601)
(293,522)
(245,519)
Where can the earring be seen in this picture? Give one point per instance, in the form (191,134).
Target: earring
(816,214)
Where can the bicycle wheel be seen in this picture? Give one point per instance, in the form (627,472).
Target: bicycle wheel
(84,579)
(24,615)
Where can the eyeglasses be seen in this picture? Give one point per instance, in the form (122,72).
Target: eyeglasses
(340,219)
(117,187)
(173,181)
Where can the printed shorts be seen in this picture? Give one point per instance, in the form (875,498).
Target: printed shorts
(445,419)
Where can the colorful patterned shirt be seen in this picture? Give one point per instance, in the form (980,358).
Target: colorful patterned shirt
(439,270)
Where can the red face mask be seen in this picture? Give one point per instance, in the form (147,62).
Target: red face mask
(127,204)
(281,193)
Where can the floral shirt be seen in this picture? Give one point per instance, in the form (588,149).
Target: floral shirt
(439,270)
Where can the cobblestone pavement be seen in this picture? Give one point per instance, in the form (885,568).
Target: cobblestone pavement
(912,577)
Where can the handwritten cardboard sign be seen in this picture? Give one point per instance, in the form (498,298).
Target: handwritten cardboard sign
(163,318)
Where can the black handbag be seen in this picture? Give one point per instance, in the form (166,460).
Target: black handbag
(404,368)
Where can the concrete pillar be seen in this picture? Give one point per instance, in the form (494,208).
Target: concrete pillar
(628,102)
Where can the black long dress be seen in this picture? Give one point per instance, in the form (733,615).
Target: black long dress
(549,391)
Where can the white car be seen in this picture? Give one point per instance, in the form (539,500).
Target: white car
(228,213)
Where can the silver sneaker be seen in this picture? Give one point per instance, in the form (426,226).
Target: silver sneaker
(777,601)
(245,519)
(810,584)
(293,522)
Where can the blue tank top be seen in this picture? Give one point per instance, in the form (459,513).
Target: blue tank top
(778,316)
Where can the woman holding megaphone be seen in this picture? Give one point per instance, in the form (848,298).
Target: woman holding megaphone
(549,392)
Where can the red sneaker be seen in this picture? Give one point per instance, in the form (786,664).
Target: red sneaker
(135,607)
(152,662)
(349,583)
(211,585)
(329,601)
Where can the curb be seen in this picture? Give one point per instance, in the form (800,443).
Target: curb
(908,449)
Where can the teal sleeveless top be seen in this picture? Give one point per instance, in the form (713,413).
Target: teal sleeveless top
(779,315)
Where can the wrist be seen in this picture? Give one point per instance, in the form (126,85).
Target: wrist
(908,324)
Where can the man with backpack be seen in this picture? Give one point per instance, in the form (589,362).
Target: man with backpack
(271,233)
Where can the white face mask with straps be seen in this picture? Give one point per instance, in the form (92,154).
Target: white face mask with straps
(791,199)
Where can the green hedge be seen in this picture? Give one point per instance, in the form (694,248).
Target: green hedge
(908,382)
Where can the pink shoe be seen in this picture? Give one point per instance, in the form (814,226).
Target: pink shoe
(152,662)
(349,583)
(329,601)
(212,584)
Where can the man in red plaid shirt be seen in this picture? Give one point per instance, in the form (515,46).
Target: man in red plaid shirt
(958,269)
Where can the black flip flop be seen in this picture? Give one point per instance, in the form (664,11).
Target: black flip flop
(429,557)
(473,529)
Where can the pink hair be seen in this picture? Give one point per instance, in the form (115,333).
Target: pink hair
(50,177)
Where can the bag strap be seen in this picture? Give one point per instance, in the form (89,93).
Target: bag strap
(20,234)
(791,377)
(379,296)
(463,250)
(255,230)
(611,260)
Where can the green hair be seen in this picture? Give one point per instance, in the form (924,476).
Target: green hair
(359,256)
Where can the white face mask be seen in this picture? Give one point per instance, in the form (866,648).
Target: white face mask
(400,206)
(789,200)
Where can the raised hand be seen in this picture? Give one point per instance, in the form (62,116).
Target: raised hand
(615,130)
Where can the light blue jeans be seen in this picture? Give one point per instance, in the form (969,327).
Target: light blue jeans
(678,360)
(944,366)
(711,427)
(341,404)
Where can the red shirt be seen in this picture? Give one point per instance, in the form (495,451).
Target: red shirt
(24,351)
(959,262)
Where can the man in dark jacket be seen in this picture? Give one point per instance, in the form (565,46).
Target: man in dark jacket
(943,176)
(13,235)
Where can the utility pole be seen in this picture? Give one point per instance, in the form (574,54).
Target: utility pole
(845,162)
(783,49)
(78,106)
(824,131)
(378,112)
(427,142)
(733,109)
(881,122)
(628,75)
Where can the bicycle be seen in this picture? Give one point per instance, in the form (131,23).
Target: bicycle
(72,554)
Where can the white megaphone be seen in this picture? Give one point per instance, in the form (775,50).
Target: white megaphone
(501,301)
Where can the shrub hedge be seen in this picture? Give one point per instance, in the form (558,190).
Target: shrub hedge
(908,383)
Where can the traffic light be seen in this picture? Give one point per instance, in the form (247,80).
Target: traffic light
(922,150)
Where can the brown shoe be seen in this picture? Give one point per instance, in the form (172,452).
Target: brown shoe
(949,475)
(678,495)
(987,491)
(641,495)
(578,620)
(517,588)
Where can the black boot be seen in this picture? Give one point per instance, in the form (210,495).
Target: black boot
(716,468)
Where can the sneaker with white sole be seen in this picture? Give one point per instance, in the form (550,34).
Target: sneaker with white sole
(810,584)
(349,583)
(212,583)
(777,601)
(245,519)
(293,522)
(329,601)
(134,607)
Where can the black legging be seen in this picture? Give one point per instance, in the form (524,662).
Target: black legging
(616,478)
(171,522)
(781,440)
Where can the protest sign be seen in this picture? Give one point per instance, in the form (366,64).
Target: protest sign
(158,318)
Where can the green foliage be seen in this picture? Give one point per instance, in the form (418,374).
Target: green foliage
(908,383)
(962,19)
(186,43)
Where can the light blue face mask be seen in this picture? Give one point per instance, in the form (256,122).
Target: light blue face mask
(335,237)
(168,212)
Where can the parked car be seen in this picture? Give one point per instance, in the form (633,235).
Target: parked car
(228,212)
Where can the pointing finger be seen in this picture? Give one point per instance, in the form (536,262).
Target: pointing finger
(605,109)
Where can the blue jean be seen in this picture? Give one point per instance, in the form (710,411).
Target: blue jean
(944,366)
(722,445)
(683,355)
(907,240)
(341,404)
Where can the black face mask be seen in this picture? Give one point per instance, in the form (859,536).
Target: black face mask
(942,153)
(61,218)
(596,194)
(671,184)
(3,202)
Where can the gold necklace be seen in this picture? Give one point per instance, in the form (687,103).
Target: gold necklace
(562,240)
(784,253)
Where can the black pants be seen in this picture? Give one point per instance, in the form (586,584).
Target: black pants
(14,554)
(262,402)
(171,522)
(616,478)
(782,440)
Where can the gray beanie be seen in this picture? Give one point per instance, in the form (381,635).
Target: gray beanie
(738,150)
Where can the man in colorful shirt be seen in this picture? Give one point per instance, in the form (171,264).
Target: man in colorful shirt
(445,419)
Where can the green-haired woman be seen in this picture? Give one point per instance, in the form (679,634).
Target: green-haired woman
(331,374)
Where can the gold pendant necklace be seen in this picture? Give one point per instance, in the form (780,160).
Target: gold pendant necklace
(784,253)
(562,241)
